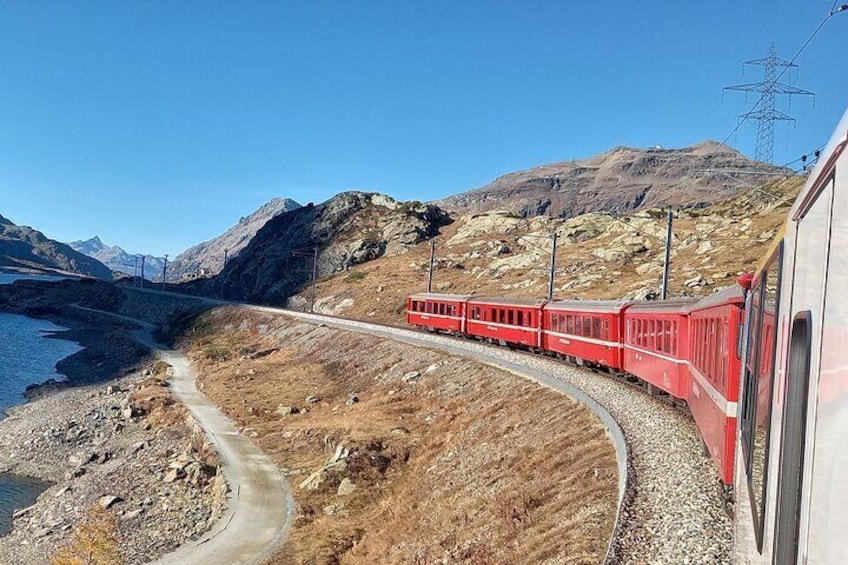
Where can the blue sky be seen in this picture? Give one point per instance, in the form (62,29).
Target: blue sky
(155,124)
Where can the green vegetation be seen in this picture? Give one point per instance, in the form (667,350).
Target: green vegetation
(355,276)
(215,352)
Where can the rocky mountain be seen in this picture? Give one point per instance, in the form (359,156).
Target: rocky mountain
(207,258)
(599,256)
(620,180)
(349,229)
(22,247)
(119,260)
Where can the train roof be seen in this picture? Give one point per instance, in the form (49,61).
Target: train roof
(437,296)
(674,306)
(730,295)
(826,161)
(517,302)
(606,306)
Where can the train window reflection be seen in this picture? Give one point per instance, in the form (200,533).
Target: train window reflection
(759,382)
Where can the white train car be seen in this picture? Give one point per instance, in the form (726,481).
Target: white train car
(791,482)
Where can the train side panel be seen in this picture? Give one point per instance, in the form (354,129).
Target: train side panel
(587,330)
(656,344)
(714,367)
(506,322)
(437,312)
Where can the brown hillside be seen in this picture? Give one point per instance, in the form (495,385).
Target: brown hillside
(599,256)
(621,180)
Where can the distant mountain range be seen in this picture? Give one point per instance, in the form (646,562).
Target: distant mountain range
(24,248)
(119,260)
(207,258)
(619,180)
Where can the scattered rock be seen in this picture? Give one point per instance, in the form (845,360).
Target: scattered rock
(108,501)
(286,410)
(313,400)
(411,376)
(346,487)
(174,475)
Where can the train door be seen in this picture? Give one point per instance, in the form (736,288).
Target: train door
(798,390)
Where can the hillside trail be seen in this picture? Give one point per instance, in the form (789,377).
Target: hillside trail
(260,506)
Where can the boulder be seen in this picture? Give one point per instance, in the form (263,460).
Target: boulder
(109,500)
(346,487)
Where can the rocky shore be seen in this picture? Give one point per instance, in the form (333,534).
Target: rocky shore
(125,448)
(130,471)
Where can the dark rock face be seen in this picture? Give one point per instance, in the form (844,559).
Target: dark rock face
(27,248)
(119,260)
(207,258)
(349,229)
(620,180)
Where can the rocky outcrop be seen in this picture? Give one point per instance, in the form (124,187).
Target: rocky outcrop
(347,230)
(207,258)
(22,247)
(620,180)
(119,260)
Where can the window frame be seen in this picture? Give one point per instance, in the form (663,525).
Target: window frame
(751,380)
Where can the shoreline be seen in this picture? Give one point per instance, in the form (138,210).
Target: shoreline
(109,439)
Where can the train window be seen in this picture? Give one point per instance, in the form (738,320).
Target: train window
(667,336)
(596,327)
(605,331)
(587,326)
(758,381)
(652,334)
(569,324)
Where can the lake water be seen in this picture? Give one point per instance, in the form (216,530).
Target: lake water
(26,357)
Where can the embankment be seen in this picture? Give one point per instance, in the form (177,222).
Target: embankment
(399,454)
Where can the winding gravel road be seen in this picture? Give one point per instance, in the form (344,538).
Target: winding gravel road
(260,506)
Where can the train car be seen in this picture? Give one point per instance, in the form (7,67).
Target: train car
(792,447)
(506,321)
(656,344)
(437,312)
(714,368)
(587,330)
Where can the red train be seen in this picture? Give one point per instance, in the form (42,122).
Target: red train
(687,349)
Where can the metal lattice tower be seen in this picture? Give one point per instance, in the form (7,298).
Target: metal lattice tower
(764,111)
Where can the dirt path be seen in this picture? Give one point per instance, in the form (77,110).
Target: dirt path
(260,506)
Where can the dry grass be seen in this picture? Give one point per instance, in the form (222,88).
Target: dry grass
(464,462)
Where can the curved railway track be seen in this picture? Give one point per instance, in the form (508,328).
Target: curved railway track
(672,508)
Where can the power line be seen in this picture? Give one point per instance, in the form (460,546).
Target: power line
(791,63)
(767,114)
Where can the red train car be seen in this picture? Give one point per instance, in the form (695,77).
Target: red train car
(656,344)
(437,312)
(714,368)
(516,321)
(588,330)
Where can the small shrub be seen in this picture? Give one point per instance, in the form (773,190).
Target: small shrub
(95,541)
(215,352)
(354,276)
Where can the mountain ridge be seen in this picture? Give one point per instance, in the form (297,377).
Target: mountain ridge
(618,180)
(207,258)
(25,248)
(117,259)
